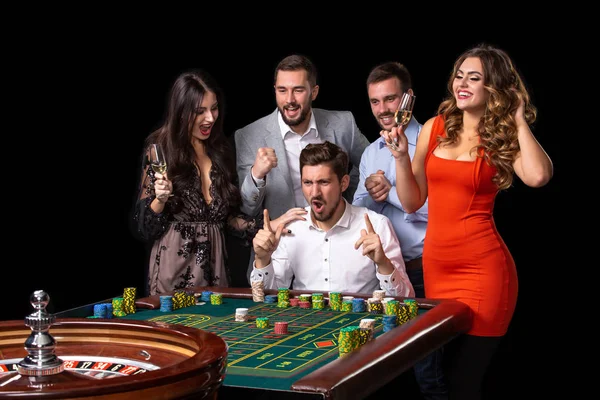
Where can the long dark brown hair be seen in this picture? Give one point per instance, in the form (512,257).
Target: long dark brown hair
(174,135)
(497,128)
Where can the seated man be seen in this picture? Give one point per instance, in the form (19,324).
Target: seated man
(337,248)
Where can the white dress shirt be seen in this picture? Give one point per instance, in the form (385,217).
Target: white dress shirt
(294,144)
(328,261)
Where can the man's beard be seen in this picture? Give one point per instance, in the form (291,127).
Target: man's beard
(322,217)
(301,118)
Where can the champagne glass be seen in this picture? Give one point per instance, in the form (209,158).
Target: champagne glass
(405,109)
(157,159)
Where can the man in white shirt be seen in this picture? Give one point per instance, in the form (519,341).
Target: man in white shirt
(267,149)
(340,247)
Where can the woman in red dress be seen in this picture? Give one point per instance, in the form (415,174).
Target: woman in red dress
(465,155)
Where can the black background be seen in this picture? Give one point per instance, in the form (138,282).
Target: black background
(90,104)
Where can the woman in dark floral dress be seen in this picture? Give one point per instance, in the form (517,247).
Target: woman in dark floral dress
(185,211)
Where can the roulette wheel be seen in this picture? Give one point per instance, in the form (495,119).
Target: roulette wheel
(44,357)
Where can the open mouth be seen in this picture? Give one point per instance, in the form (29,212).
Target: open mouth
(318,206)
(205,130)
(292,111)
(387,120)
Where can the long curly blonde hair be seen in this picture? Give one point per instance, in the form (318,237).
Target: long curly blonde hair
(497,129)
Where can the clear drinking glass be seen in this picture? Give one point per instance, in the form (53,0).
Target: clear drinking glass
(157,159)
(405,109)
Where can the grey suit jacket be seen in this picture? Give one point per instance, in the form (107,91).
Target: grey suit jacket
(277,195)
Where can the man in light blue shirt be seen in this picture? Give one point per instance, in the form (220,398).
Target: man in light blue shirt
(410,228)
(376,190)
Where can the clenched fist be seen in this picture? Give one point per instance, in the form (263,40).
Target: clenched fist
(264,162)
(378,186)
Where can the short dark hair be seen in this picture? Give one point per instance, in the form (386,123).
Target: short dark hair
(325,153)
(388,70)
(297,62)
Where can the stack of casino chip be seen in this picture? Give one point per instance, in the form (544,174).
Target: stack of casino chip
(117,306)
(109,310)
(386,299)
(216,299)
(129,294)
(183,298)
(349,339)
(335,301)
(190,298)
(379,294)
(318,302)
(166,303)
(294,301)
(413,306)
(364,335)
(403,313)
(262,322)
(389,322)
(180,299)
(374,306)
(304,304)
(367,323)
(283,304)
(241,314)
(347,305)
(358,305)
(283,297)
(205,295)
(258,291)
(270,298)
(305,297)
(391,307)
(100,310)
(281,327)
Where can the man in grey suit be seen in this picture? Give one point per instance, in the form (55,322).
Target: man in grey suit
(268,149)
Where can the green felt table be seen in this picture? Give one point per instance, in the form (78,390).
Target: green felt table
(305,363)
(258,357)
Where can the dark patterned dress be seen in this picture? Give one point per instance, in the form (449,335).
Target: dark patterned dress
(189,236)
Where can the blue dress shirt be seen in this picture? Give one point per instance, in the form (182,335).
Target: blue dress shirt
(410,228)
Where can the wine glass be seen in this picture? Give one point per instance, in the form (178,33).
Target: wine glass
(405,109)
(157,159)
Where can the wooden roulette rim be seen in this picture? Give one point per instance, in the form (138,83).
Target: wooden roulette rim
(188,362)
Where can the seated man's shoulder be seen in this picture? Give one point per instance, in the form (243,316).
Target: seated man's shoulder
(375,217)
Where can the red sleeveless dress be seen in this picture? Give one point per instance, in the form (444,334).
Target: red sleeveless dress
(464,257)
